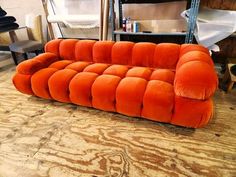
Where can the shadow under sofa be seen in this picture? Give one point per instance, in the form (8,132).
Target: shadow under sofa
(164,82)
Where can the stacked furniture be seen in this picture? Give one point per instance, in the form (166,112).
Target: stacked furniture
(7,22)
(34,43)
(166,82)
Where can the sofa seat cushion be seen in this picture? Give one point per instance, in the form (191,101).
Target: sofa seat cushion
(104,92)
(165,75)
(60,64)
(133,91)
(80,88)
(117,70)
(158,101)
(59,84)
(130,90)
(78,66)
(142,72)
(39,82)
(98,68)
(129,96)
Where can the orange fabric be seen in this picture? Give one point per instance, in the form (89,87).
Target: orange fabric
(98,68)
(47,58)
(84,50)
(129,96)
(143,54)
(165,75)
(59,84)
(192,113)
(165,82)
(166,55)
(196,80)
(158,101)
(53,46)
(39,82)
(104,92)
(195,56)
(192,47)
(102,51)
(80,88)
(78,66)
(67,49)
(29,67)
(22,82)
(141,72)
(122,53)
(61,64)
(117,70)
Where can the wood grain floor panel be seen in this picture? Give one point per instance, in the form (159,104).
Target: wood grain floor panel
(43,138)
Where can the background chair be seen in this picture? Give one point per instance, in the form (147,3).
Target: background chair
(34,43)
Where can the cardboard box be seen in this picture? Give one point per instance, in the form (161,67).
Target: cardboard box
(163,25)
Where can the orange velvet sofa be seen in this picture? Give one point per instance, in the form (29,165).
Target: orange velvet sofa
(164,82)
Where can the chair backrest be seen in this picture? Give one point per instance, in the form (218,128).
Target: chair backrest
(164,55)
(34,27)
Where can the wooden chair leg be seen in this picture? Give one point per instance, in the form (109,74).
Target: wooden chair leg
(25,56)
(13,54)
(226,76)
(230,86)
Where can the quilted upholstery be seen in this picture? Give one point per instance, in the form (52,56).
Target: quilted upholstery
(162,82)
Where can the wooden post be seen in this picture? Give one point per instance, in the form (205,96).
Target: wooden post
(105,19)
(101,20)
(50,29)
(13,36)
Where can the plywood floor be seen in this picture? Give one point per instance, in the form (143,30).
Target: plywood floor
(40,138)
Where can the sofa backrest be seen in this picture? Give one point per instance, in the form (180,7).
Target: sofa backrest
(164,55)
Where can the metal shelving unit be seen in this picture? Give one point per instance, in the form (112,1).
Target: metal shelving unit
(149,34)
(192,20)
(192,4)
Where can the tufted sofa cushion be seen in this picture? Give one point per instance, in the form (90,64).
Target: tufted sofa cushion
(124,53)
(165,82)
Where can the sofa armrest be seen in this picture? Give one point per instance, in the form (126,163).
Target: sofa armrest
(41,61)
(195,76)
